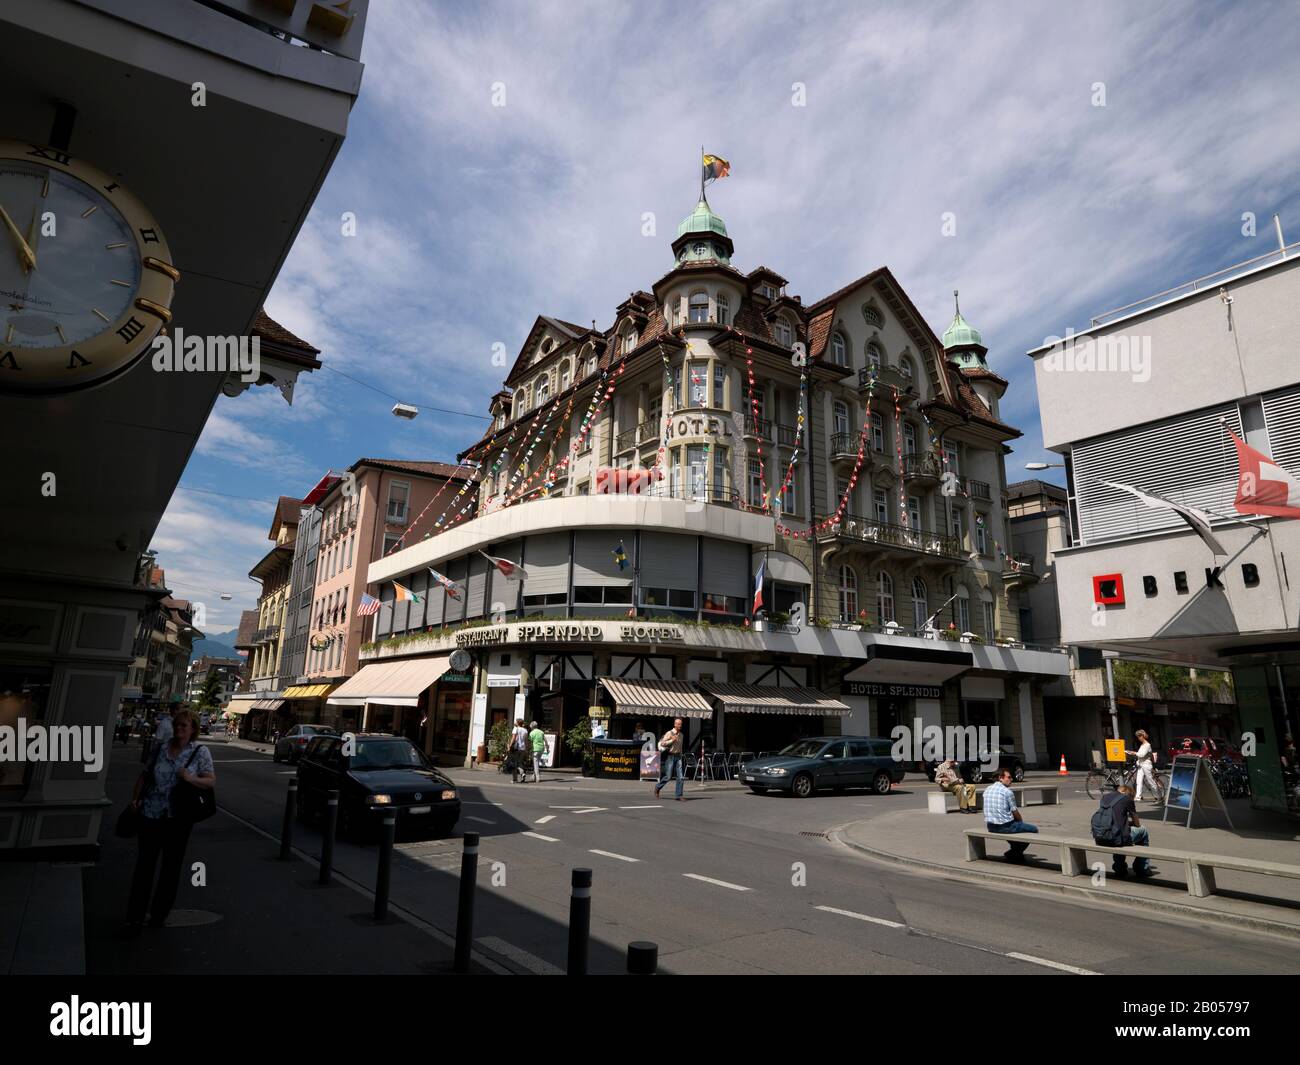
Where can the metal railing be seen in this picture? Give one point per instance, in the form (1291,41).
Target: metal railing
(1017,562)
(699,492)
(868,530)
(787,434)
(761,427)
(977,489)
(630,438)
(844,444)
(921,466)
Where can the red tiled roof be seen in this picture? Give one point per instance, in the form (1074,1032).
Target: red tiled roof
(427,469)
(819,332)
(286,513)
(766,271)
(980,373)
(267,327)
(247,626)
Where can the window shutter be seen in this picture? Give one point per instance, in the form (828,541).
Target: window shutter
(1282,417)
(476,586)
(454,609)
(547,563)
(726,568)
(667,561)
(593,559)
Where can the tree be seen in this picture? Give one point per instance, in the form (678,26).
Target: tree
(210,697)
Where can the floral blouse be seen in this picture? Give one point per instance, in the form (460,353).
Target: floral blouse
(166,772)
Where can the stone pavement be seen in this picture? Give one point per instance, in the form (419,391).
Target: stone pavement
(917,838)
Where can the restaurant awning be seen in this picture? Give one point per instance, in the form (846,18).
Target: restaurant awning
(307,691)
(268,704)
(763,699)
(391,683)
(241,707)
(657,698)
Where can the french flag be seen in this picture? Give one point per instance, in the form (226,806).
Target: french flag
(758,585)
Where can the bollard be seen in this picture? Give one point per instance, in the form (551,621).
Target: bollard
(286,828)
(579,921)
(465,909)
(642,958)
(386,835)
(327,841)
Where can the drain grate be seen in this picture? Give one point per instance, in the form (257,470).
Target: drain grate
(816,835)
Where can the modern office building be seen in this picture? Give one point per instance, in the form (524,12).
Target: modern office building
(719,437)
(1152,396)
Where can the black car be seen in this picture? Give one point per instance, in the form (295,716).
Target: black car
(290,746)
(381,773)
(972,771)
(820,762)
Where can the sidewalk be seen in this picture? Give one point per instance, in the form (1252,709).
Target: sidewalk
(936,843)
(256,914)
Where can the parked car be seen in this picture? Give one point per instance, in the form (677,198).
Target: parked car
(289,747)
(972,771)
(383,773)
(822,762)
(1214,747)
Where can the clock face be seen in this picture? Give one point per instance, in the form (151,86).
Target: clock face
(85,281)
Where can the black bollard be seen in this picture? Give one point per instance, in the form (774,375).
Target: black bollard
(642,958)
(327,841)
(465,909)
(388,831)
(579,921)
(286,828)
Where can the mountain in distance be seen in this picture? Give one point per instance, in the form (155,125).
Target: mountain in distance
(217,645)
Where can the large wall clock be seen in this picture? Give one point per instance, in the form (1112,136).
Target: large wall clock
(86,278)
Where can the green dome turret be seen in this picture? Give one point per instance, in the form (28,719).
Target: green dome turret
(702,236)
(962,343)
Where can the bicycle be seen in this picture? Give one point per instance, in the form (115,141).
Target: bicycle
(1157,782)
(1101,779)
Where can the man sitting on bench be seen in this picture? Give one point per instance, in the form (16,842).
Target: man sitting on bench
(1001,815)
(1111,828)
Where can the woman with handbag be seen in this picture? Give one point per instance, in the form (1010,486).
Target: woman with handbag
(175,792)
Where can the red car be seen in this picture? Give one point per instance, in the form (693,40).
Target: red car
(1206,746)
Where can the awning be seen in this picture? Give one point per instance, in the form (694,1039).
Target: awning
(391,683)
(657,698)
(268,704)
(307,691)
(905,663)
(762,699)
(241,707)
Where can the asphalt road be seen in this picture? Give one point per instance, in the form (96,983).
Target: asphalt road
(730,882)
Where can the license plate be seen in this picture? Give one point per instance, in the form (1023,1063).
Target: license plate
(419,809)
(748,778)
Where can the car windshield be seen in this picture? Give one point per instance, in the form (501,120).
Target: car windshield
(387,754)
(804,749)
(317,730)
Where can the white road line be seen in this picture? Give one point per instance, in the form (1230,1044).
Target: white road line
(530,962)
(481,820)
(543,820)
(588,809)
(611,854)
(658,807)
(719,883)
(538,835)
(568,807)
(1053,964)
(860,916)
(471,802)
(232,761)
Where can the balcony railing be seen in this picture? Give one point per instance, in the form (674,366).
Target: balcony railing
(698,492)
(630,438)
(977,489)
(886,534)
(1018,562)
(760,427)
(844,445)
(915,466)
(786,435)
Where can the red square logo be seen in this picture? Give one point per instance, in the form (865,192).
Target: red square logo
(1108,589)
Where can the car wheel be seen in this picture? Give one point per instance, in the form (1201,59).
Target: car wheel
(971,774)
(1017,772)
(881,783)
(802,786)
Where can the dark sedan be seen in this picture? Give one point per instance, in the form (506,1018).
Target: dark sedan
(289,747)
(380,773)
(822,762)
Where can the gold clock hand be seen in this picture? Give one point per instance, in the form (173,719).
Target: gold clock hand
(34,234)
(24,252)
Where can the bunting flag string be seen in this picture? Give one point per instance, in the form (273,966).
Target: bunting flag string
(411,528)
(841,506)
(550,448)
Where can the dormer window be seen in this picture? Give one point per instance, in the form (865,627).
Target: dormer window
(724,309)
(629,341)
(784,334)
(767,291)
(839,350)
(698,308)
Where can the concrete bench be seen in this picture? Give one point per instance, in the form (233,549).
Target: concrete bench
(1073,855)
(940,801)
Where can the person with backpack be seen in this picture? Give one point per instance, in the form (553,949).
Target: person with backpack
(1116,824)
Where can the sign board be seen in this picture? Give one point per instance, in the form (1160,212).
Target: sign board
(548,759)
(620,761)
(1115,751)
(1191,787)
(495,681)
(521,705)
(478,723)
(632,632)
(890,691)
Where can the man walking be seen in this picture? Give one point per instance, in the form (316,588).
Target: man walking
(518,753)
(670,753)
(1001,815)
(538,740)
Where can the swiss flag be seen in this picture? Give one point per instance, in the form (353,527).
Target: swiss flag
(1263,487)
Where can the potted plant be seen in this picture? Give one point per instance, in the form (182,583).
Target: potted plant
(498,741)
(950,633)
(578,740)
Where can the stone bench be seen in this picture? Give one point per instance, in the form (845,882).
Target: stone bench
(1073,852)
(941,802)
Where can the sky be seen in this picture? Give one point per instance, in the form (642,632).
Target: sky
(506,160)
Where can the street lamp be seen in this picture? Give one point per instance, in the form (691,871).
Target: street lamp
(1044,465)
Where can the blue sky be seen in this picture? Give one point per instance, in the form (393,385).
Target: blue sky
(473,218)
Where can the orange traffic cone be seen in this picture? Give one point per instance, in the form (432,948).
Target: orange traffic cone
(1064,771)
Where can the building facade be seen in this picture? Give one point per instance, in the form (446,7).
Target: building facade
(719,437)
(228,671)
(1151,396)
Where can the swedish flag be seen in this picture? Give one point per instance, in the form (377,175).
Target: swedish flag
(620,556)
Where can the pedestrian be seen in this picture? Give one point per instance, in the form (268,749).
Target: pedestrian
(163,830)
(948,776)
(517,754)
(1145,759)
(162,728)
(1002,816)
(1116,824)
(670,764)
(538,740)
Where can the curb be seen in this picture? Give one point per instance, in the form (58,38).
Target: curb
(1254,924)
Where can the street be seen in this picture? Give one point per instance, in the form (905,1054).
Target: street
(731,882)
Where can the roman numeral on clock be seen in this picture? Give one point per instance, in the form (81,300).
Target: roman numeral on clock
(76,358)
(149,236)
(133,328)
(49,153)
(9,362)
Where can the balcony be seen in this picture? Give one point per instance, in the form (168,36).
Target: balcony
(888,376)
(894,538)
(844,447)
(977,489)
(922,469)
(630,438)
(267,634)
(698,493)
(1018,569)
(759,428)
(786,435)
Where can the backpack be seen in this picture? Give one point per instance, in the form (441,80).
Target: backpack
(1104,830)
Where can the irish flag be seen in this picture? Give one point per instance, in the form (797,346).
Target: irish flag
(404,594)
(1263,487)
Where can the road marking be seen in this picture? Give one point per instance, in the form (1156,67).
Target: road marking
(719,883)
(659,807)
(611,854)
(1053,964)
(588,809)
(571,807)
(472,802)
(232,761)
(480,820)
(538,835)
(860,916)
(543,820)
(530,962)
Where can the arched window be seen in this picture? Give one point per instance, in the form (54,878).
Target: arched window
(591,365)
(629,341)
(920,604)
(523,401)
(839,350)
(564,376)
(543,391)
(841,417)
(906,368)
(885,597)
(961,607)
(875,356)
(986,603)
(698,308)
(848,594)
(784,334)
(724,309)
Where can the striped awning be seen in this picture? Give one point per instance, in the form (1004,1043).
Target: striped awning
(764,699)
(656,698)
(399,683)
(307,691)
(268,704)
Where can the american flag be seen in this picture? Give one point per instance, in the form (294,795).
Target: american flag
(369,605)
